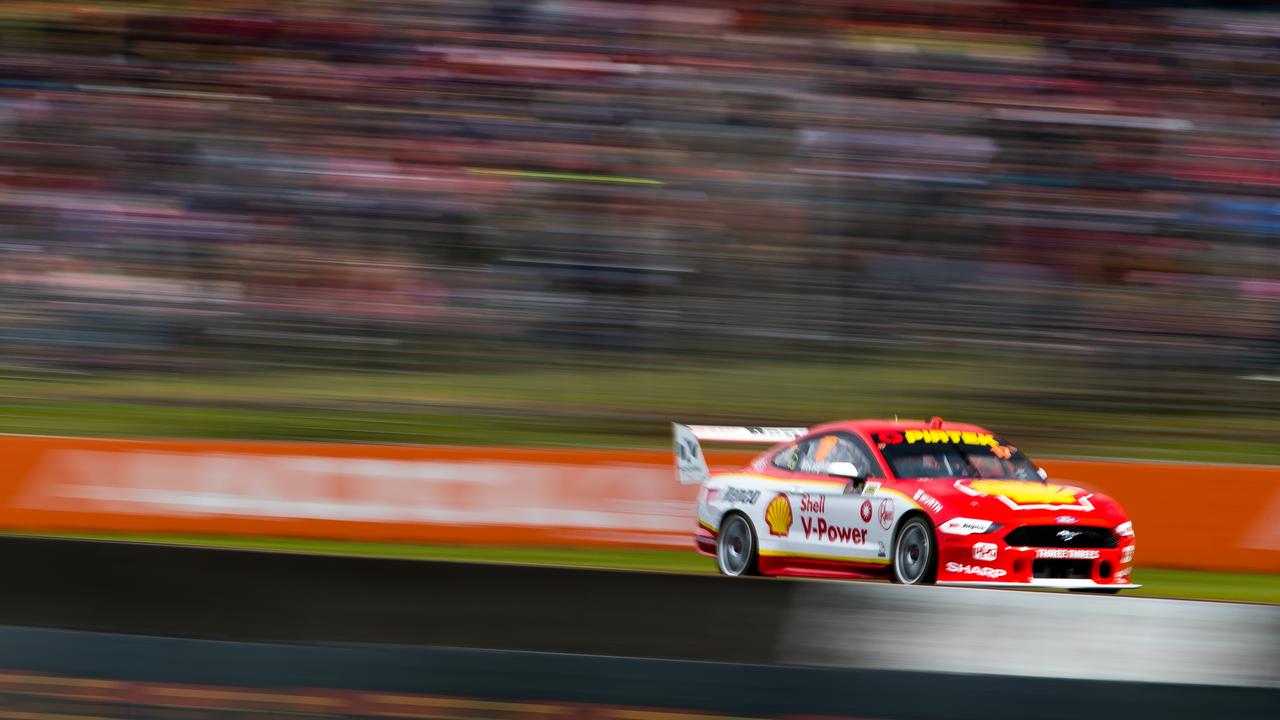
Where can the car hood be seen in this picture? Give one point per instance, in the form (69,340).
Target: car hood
(1015,502)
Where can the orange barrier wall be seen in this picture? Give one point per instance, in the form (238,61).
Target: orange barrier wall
(1193,516)
(356,492)
(1213,517)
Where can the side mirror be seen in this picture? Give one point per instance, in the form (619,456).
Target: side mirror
(846,470)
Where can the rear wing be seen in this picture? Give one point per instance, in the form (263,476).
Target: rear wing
(691,464)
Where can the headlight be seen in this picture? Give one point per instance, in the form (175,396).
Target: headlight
(1124,529)
(968,526)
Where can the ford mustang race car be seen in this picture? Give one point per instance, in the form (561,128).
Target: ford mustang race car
(916,502)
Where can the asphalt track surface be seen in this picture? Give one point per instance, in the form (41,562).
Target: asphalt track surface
(279,597)
(251,619)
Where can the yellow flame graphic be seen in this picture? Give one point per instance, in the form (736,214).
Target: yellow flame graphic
(1026,493)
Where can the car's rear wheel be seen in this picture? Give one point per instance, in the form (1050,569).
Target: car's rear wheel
(736,547)
(915,556)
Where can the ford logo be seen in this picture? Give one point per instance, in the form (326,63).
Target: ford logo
(1064,519)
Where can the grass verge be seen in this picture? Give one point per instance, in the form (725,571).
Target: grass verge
(1047,410)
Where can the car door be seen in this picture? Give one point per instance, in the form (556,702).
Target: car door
(834,516)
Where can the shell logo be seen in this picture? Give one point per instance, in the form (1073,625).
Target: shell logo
(777,515)
(1028,495)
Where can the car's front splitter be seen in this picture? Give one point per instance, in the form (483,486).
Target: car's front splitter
(1051,583)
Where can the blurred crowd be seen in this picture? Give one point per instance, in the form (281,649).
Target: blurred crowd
(218,184)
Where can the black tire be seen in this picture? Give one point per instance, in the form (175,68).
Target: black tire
(1096,591)
(915,553)
(736,546)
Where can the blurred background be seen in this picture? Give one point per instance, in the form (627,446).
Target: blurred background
(573,221)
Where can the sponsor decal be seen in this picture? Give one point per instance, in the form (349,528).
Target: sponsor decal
(778,515)
(813,503)
(691,466)
(1022,495)
(870,487)
(984,551)
(880,551)
(731,433)
(1066,520)
(987,572)
(1066,554)
(821,530)
(911,437)
(688,450)
(738,495)
(965,526)
(886,513)
(1126,554)
(1122,576)
(927,500)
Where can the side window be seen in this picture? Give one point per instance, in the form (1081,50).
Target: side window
(815,455)
(862,456)
(788,458)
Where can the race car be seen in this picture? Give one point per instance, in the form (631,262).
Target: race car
(916,502)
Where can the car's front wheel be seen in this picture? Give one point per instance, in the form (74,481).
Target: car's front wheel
(914,554)
(736,547)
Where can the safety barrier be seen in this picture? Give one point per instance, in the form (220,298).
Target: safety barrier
(1192,516)
(114,676)
(208,629)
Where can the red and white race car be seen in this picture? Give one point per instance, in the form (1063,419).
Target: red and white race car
(917,502)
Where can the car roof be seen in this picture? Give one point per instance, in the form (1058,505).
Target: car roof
(871,425)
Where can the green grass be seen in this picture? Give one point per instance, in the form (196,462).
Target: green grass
(1236,587)
(1046,408)
(1156,582)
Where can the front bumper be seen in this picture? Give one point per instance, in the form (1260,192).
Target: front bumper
(985,560)
(1048,583)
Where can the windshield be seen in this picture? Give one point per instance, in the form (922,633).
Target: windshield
(951,453)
